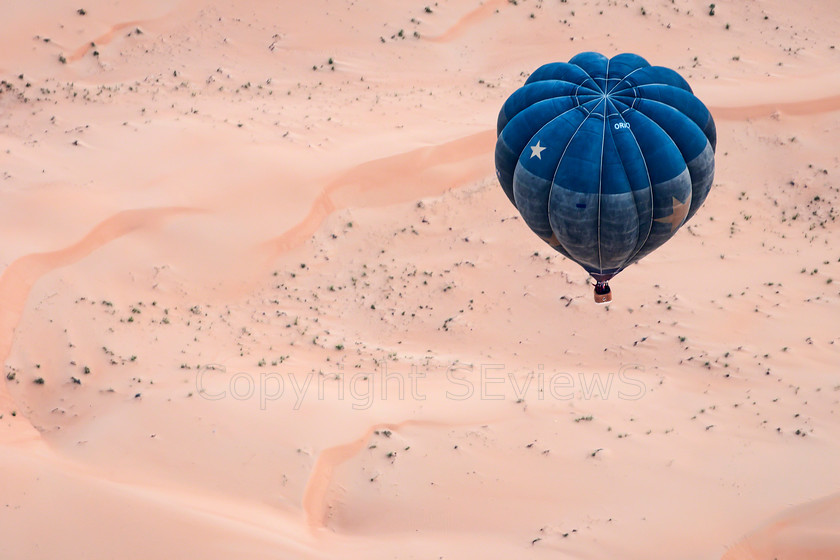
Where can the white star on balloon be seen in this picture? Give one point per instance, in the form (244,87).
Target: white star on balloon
(536,151)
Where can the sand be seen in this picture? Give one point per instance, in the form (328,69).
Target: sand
(262,297)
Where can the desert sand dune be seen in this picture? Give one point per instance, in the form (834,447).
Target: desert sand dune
(806,531)
(101,40)
(315,503)
(18,277)
(427,171)
(261,295)
(474,17)
(812,107)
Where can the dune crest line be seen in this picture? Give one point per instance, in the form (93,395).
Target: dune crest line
(827,104)
(17,279)
(483,11)
(316,506)
(809,530)
(103,39)
(426,171)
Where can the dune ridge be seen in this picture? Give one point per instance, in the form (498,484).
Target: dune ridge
(471,19)
(804,532)
(18,277)
(101,40)
(315,504)
(426,171)
(822,105)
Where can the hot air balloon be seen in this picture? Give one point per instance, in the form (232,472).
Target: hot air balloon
(605,158)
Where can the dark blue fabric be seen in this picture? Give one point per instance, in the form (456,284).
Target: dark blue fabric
(605,158)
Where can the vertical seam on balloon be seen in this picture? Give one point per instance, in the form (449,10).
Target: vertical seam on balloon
(551,189)
(663,84)
(648,117)
(531,139)
(652,219)
(624,78)
(531,79)
(601,170)
(700,130)
(554,176)
(590,75)
(669,87)
(624,168)
(687,118)
(553,96)
(658,102)
(650,188)
(673,73)
(534,105)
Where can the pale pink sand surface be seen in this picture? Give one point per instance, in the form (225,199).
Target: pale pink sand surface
(281,308)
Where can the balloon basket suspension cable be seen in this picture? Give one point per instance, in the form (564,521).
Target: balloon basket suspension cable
(602,292)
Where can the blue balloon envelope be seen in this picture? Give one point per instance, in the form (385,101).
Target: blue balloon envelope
(605,158)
